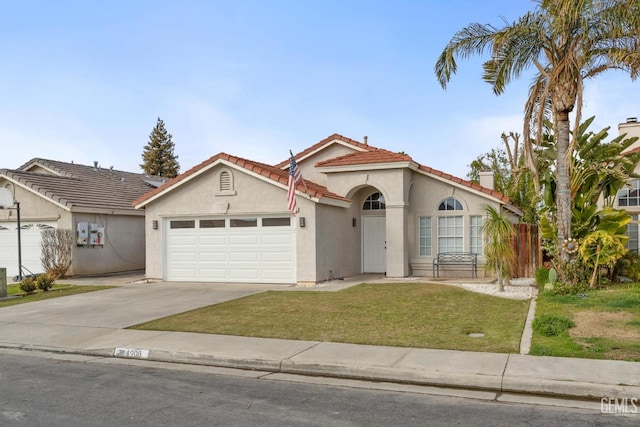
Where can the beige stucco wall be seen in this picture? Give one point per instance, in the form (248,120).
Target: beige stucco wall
(338,244)
(424,197)
(251,196)
(123,248)
(307,165)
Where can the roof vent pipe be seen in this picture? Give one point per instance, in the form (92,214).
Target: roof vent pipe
(95,165)
(632,120)
(366,140)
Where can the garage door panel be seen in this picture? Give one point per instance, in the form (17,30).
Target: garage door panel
(243,257)
(220,257)
(243,239)
(231,254)
(279,257)
(184,240)
(181,257)
(213,240)
(277,239)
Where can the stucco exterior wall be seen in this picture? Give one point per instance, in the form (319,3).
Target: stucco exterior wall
(250,196)
(338,244)
(425,196)
(307,166)
(123,248)
(33,207)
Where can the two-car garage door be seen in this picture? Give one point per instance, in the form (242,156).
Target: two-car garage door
(253,250)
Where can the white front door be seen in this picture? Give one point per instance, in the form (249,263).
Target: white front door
(374,236)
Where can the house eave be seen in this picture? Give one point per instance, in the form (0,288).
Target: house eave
(368,167)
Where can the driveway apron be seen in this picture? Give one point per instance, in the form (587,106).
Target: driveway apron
(128,305)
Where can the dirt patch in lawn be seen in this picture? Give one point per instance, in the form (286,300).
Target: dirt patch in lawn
(591,323)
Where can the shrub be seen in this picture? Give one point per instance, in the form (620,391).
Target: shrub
(44,282)
(542,275)
(552,326)
(56,251)
(569,289)
(28,285)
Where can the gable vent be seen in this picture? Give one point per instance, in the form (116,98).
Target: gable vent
(225,181)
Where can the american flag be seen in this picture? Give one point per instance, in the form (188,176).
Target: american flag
(294,177)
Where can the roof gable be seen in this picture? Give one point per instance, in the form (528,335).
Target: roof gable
(261,170)
(76,187)
(374,156)
(321,145)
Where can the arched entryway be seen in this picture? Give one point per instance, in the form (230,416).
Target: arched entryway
(374,234)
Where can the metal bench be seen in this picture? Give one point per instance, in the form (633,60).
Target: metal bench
(456,259)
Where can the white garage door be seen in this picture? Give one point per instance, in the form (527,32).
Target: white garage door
(253,250)
(30,238)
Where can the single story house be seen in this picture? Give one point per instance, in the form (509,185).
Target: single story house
(360,209)
(93,202)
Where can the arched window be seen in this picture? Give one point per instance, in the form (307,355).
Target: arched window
(450,204)
(375,202)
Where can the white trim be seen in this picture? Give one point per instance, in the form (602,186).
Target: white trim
(368,167)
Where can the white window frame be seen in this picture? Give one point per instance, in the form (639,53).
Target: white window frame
(425,236)
(457,236)
(476,238)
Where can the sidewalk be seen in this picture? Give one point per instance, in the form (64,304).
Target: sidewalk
(43,326)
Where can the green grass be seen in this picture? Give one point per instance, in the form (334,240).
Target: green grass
(58,290)
(612,331)
(401,314)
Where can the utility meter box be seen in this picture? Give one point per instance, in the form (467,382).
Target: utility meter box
(82,233)
(96,235)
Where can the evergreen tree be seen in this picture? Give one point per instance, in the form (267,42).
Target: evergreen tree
(158,157)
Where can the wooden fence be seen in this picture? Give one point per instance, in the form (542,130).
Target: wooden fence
(528,250)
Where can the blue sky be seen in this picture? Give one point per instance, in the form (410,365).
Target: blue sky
(86,80)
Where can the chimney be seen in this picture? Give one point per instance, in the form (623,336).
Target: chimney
(486,179)
(366,140)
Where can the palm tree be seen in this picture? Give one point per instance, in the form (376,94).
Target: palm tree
(566,42)
(500,254)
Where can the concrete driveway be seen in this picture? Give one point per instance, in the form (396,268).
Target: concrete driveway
(127,305)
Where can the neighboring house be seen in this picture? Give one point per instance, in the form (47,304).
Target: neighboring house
(629,198)
(363,210)
(93,202)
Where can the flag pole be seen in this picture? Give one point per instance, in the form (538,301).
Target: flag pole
(306,190)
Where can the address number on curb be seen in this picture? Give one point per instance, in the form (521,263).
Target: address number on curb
(132,353)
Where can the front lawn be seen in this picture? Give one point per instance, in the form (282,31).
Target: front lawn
(58,290)
(606,324)
(398,314)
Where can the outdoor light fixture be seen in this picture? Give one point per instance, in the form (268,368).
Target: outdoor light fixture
(302,221)
(353,222)
(154,224)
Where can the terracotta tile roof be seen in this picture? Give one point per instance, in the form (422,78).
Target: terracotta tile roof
(377,155)
(498,195)
(270,172)
(325,141)
(83,187)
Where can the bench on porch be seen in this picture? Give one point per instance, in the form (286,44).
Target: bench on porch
(460,260)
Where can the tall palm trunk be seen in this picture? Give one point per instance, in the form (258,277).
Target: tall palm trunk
(563,190)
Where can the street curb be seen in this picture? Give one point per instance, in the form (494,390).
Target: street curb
(491,383)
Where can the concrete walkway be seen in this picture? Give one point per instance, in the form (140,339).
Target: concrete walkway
(92,324)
